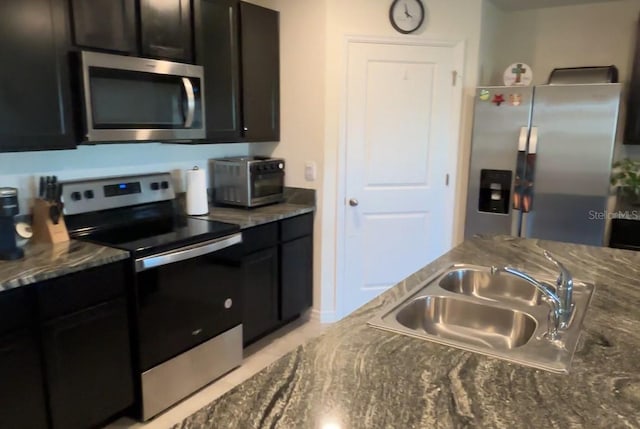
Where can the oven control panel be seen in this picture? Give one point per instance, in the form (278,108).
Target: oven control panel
(82,196)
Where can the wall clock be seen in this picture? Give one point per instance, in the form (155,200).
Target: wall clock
(406,16)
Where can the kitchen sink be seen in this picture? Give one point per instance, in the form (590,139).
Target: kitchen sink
(470,322)
(481,283)
(476,309)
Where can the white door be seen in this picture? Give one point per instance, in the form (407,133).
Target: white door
(398,208)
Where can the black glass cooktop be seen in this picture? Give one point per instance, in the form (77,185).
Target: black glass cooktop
(146,230)
(158,238)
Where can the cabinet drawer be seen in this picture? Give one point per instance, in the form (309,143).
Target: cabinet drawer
(296,227)
(80,290)
(260,237)
(15,310)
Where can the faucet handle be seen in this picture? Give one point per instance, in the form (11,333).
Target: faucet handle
(565,277)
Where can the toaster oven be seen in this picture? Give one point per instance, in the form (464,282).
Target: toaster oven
(248,181)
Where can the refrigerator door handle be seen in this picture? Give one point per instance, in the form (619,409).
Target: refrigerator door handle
(530,172)
(518,184)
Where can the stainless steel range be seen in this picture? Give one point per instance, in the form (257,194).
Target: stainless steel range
(185,291)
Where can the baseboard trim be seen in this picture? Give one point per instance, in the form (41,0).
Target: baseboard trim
(323,316)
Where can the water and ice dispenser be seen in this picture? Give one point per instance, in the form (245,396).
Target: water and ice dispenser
(495,191)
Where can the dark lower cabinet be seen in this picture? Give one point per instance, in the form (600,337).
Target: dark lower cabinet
(35,94)
(296,262)
(105,24)
(88,365)
(22,397)
(260,71)
(165,29)
(260,314)
(278,274)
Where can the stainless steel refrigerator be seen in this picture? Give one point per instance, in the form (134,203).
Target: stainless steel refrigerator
(541,160)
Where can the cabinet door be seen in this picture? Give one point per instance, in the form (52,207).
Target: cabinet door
(165,29)
(296,262)
(35,97)
(260,73)
(88,366)
(216,42)
(260,313)
(22,404)
(105,24)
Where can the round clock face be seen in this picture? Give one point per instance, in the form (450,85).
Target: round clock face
(406,16)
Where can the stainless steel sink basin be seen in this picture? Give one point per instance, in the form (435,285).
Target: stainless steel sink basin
(468,307)
(481,283)
(470,322)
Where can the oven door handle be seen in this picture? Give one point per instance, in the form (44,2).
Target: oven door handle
(187,252)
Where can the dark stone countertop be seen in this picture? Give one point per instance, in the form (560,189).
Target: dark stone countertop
(355,376)
(247,218)
(48,261)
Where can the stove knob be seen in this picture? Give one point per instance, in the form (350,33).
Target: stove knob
(76,196)
(281,165)
(88,194)
(164,184)
(155,186)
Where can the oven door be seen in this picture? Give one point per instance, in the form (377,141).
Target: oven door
(266,188)
(130,99)
(183,301)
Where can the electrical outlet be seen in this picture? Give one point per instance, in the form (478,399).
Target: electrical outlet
(310,171)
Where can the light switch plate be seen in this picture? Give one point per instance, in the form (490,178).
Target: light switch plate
(310,171)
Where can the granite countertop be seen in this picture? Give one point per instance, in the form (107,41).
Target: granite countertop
(247,218)
(355,376)
(48,261)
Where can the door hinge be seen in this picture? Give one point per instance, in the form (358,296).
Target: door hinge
(454,77)
(446,179)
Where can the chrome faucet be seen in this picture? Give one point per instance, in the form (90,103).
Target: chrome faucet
(560,300)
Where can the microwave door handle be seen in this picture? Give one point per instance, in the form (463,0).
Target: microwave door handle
(191,102)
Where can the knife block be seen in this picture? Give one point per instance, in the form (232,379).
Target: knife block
(44,230)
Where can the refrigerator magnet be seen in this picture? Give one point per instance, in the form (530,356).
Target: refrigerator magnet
(515,99)
(498,99)
(518,74)
(485,95)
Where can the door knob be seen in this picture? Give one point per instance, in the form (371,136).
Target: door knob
(353,202)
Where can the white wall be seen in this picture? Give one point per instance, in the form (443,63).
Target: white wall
(22,169)
(493,19)
(568,36)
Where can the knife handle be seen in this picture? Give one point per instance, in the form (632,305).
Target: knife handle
(43,185)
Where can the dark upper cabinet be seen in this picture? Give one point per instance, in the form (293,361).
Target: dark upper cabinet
(260,65)
(216,33)
(35,94)
(165,29)
(105,24)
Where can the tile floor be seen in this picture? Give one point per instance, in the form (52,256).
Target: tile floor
(256,357)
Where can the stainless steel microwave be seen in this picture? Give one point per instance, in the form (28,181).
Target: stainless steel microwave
(138,99)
